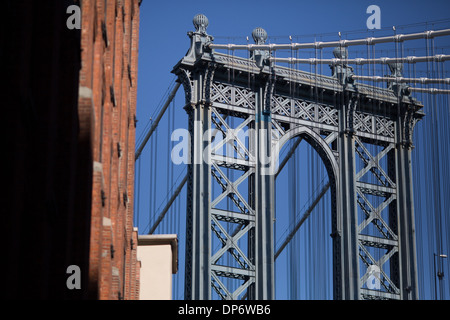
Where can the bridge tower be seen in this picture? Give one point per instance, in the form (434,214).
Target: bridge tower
(362,133)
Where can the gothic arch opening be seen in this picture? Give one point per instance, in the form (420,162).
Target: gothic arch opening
(306,217)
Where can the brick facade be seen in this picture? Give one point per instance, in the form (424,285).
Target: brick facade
(70,107)
(109,43)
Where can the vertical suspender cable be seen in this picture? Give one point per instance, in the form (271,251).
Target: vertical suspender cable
(137,193)
(155,172)
(446,176)
(429,185)
(150,182)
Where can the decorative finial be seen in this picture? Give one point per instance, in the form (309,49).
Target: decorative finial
(341,70)
(396,72)
(340,52)
(260,56)
(259,35)
(396,68)
(200,40)
(200,22)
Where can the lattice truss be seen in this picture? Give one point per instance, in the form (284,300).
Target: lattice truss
(232,215)
(376,190)
(232,171)
(233,166)
(377,227)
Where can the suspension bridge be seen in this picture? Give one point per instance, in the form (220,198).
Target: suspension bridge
(327,173)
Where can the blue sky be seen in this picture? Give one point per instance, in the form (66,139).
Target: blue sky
(164,24)
(163,42)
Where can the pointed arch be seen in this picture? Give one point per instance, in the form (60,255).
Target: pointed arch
(319,144)
(331,163)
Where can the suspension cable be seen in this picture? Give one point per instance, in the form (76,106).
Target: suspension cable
(429,90)
(359,61)
(401,79)
(342,43)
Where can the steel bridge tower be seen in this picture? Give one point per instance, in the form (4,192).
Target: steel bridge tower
(347,122)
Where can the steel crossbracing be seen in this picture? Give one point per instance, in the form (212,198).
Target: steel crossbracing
(241,113)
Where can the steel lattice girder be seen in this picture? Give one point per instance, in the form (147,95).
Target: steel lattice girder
(382,240)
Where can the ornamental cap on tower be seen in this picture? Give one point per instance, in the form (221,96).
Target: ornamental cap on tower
(340,52)
(201,22)
(200,40)
(259,35)
(396,68)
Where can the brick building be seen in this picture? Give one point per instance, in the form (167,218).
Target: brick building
(70,115)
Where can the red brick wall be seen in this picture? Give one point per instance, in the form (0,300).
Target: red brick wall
(70,194)
(109,37)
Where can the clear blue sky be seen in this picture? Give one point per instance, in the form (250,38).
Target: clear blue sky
(163,42)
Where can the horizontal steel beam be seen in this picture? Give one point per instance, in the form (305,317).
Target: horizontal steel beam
(230,216)
(232,272)
(378,295)
(377,242)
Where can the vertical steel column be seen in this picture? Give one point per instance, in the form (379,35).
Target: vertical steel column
(405,209)
(264,201)
(198,223)
(251,242)
(347,205)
